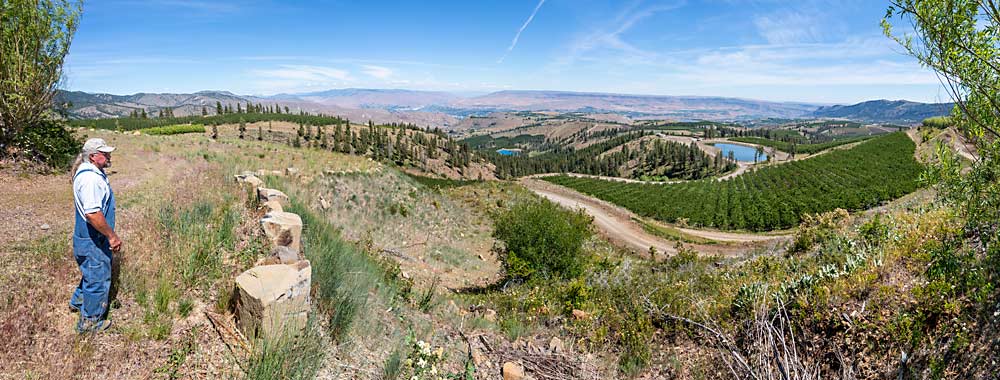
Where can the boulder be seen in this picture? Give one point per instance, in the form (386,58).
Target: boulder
(490,315)
(273,206)
(556,345)
(291,171)
(284,229)
(580,314)
(253,181)
(324,203)
(512,371)
(273,299)
(281,255)
(266,194)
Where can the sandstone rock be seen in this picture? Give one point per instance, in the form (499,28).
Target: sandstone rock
(477,357)
(45,227)
(284,229)
(512,371)
(266,194)
(324,203)
(580,314)
(286,255)
(291,171)
(273,206)
(273,299)
(490,315)
(556,345)
(254,181)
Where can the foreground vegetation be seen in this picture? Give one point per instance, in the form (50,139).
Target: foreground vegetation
(773,197)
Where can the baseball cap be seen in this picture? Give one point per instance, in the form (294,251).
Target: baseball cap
(98,145)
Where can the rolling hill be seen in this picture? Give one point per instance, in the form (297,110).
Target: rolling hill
(887,111)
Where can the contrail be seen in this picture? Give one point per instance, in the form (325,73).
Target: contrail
(518,35)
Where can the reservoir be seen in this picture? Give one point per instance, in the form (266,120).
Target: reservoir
(742,153)
(509,152)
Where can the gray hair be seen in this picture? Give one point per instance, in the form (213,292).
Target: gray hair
(84,156)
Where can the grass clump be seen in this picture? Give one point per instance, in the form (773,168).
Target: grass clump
(286,357)
(343,273)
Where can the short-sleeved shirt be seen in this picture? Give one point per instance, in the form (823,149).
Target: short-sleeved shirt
(90,190)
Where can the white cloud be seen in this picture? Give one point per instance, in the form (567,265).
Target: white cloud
(377,71)
(304,73)
(523,27)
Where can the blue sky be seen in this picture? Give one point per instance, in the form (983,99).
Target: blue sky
(814,51)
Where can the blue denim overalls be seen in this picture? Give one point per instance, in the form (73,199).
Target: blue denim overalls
(92,252)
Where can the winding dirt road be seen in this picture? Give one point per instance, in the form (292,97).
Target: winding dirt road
(617,225)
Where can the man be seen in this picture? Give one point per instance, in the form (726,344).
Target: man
(94,237)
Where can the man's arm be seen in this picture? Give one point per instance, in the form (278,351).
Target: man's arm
(97,220)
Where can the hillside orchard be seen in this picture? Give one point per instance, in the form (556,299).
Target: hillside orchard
(773,197)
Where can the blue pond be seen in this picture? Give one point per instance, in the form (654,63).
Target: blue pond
(509,152)
(742,153)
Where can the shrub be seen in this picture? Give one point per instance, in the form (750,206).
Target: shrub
(542,239)
(48,142)
(174,129)
(939,122)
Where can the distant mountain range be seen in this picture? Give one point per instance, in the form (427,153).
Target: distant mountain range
(435,108)
(885,111)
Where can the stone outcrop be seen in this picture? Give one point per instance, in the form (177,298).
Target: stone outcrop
(273,299)
(273,206)
(283,229)
(266,194)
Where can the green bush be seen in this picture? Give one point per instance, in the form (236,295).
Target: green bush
(48,142)
(542,239)
(939,122)
(174,129)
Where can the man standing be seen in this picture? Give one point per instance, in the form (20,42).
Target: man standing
(94,237)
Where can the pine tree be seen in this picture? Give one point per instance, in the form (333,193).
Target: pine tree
(144,113)
(218,107)
(204,111)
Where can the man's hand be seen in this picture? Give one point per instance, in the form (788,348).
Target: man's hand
(116,243)
(97,220)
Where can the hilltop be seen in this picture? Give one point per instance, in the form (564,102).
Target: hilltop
(892,111)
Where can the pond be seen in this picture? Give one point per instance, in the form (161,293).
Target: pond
(509,152)
(741,152)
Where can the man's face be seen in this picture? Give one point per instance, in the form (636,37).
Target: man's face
(101,160)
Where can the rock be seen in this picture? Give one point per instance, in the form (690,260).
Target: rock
(286,255)
(580,314)
(136,133)
(556,345)
(477,357)
(481,257)
(512,371)
(291,171)
(273,299)
(266,194)
(283,229)
(490,315)
(254,181)
(404,275)
(273,206)
(45,227)
(324,203)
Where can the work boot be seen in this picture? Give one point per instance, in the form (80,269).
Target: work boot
(88,326)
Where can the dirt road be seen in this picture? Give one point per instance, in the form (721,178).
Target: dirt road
(617,224)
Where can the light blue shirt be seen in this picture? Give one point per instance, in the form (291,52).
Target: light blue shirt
(90,190)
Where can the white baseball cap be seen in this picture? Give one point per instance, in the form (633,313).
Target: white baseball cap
(96,144)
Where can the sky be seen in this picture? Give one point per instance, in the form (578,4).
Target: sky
(829,51)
